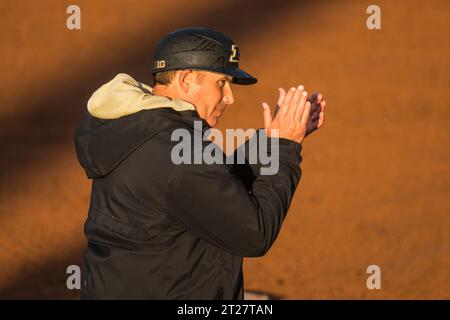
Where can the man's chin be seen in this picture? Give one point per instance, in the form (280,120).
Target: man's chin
(212,122)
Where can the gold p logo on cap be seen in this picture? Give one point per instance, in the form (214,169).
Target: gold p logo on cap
(234,56)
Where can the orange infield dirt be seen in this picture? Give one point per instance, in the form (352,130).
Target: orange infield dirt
(375,185)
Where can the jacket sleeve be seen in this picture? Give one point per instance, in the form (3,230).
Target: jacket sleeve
(213,202)
(248,171)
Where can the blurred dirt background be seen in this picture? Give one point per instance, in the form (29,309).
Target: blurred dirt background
(376,178)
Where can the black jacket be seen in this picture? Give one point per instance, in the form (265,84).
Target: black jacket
(157,230)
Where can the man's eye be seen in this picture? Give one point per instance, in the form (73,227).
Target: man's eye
(221,83)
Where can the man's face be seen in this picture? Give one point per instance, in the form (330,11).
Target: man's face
(210,93)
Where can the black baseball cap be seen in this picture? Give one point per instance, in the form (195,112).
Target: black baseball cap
(200,48)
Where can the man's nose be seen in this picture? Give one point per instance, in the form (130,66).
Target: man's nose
(228,95)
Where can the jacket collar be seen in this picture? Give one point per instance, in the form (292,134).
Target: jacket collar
(191,116)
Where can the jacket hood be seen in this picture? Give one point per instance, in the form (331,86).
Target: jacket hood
(123,96)
(117,122)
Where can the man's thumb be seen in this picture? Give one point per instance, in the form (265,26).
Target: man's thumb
(267,114)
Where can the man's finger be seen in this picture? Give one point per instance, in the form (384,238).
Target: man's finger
(301,106)
(322,113)
(315,110)
(281,96)
(319,98)
(323,105)
(305,115)
(267,115)
(303,98)
(284,107)
(296,99)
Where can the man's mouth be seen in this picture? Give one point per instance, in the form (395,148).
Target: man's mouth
(220,110)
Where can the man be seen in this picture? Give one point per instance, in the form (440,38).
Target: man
(157,230)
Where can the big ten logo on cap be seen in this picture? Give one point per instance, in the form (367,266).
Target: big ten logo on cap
(160,64)
(234,56)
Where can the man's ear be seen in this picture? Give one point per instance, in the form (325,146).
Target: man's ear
(185,79)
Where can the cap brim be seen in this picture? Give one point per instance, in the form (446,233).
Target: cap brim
(242,77)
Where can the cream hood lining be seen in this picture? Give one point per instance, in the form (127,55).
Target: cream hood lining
(123,96)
